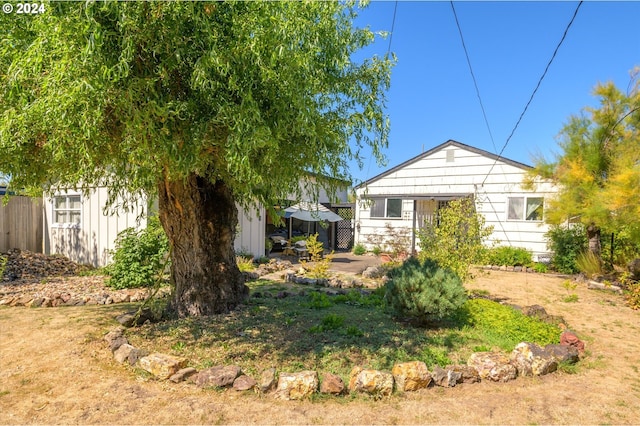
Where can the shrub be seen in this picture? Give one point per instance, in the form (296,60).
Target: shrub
(319,266)
(589,264)
(424,291)
(359,249)
(139,256)
(566,244)
(633,296)
(456,242)
(245,264)
(509,256)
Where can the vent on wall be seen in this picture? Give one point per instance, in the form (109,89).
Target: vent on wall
(450,155)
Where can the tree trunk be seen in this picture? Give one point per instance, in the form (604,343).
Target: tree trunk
(593,235)
(200,220)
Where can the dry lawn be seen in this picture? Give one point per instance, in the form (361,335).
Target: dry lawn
(55,369)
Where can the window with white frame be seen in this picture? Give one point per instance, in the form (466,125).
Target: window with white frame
(525,208)
(386,208)
(67,209)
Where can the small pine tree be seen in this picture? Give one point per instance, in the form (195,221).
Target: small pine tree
(424,291)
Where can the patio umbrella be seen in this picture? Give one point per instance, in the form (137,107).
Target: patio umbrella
(311,212)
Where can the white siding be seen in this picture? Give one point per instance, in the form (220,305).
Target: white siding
(251,231)
(469,173)
(91,241)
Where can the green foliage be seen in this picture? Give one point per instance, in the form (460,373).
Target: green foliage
(319,265)
(318,300)
(424,291)
(571,298)
(129,93)
(589,264)
(505,327)
(245,264)
(359,249)
(328,323)
(137,96)
(139,256)
(456,242)
(626,245)
(566,243)
(632,295)
(541,268)
(3,264)
(597,171)
(376,250)
(509,256)
(357,298)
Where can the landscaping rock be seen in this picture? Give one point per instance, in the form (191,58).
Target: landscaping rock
(161,366)
(267,380)
(411,376)
(332,384)
(115,339)
(634,268)
(569,338)
(493,366)
(445,377)
(563,353)
(372,382)
(531,360)
(129,353)
(244,383)
(220,376)
(183,374)
(467,374)
(595,285)
(297,385)
(373,272)
(24,264)
(131,318)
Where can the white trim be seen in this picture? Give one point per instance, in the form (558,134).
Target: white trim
(54,210)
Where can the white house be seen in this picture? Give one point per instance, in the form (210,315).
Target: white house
(79,227)
(409,194)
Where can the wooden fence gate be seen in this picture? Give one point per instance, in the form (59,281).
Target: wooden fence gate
(21,224)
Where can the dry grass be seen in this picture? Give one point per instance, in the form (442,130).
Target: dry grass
(54,368)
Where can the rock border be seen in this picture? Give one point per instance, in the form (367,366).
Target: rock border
(526,359)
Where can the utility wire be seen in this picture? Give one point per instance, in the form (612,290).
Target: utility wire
(535,90)
(475,83)
(393,25)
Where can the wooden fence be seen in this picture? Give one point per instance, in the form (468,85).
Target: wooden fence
(21,224)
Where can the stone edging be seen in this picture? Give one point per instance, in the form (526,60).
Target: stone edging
(527,359)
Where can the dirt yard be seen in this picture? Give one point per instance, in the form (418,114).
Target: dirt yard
(55,369)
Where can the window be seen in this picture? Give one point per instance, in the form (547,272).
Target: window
(67,210)
(386,208)
(525,208)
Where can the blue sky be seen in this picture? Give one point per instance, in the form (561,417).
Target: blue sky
(433,99)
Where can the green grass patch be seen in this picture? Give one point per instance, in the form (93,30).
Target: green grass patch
(316,331)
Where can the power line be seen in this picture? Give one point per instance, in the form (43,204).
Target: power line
(393,25)
(475,83)
(534,91)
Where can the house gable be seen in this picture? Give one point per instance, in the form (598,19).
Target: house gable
(452,153)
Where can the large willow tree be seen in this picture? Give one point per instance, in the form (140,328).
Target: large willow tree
(598,170)
(203,103)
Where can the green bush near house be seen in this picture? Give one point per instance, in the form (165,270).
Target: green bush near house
(359,249)
(139,256)
(509,256)
(566,244)
(424,291)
